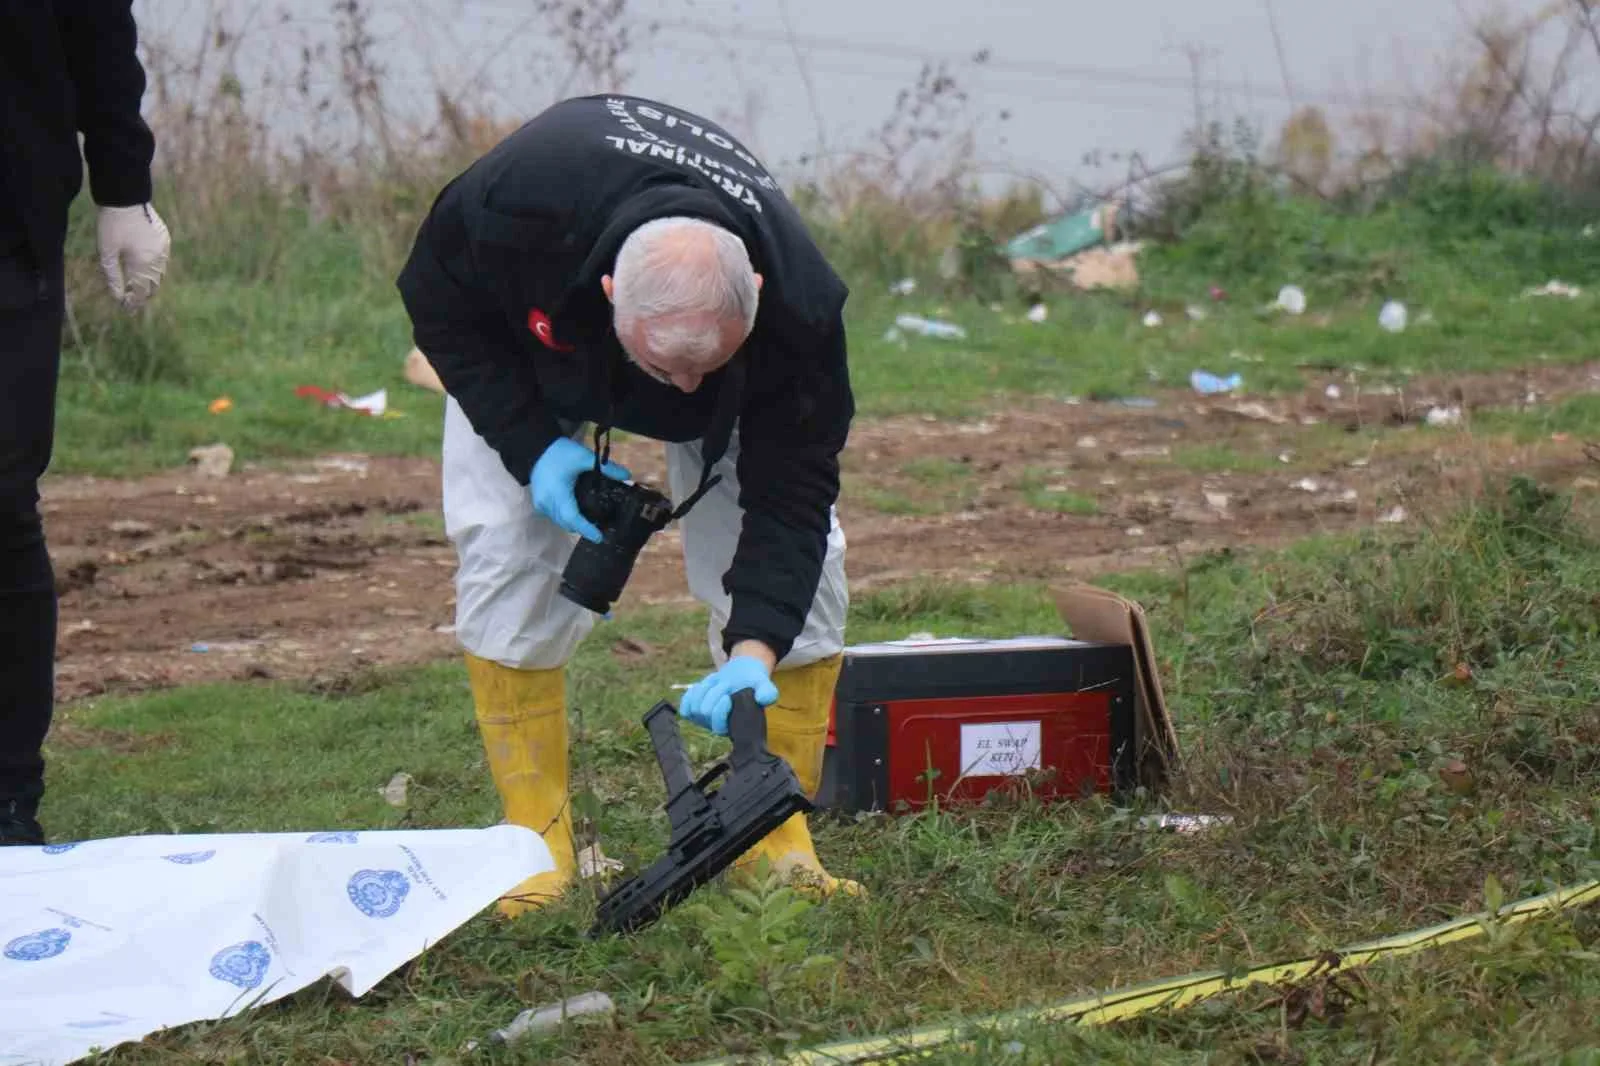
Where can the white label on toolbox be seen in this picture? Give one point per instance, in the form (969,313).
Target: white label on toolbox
(999,749)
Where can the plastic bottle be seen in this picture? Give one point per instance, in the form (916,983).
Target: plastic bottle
(927,327)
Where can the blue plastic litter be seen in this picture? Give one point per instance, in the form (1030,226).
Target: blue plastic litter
(1207,384)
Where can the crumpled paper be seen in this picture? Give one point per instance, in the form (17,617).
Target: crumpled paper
(107,941)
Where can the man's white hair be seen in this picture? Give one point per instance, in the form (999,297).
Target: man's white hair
(683,267)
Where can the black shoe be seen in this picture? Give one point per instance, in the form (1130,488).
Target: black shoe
(18,828)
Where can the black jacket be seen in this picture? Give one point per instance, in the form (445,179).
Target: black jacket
(503,289)
(68,66)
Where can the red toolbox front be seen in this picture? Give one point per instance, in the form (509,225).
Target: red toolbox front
(950,721)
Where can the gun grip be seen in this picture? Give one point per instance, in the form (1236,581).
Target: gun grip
(747,729)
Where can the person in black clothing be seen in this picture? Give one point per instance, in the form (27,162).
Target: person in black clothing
(618,263)
(66,67)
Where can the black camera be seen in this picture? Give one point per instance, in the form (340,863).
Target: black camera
(627,517)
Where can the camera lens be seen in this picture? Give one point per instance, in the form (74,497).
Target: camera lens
(595,576)
(627,516)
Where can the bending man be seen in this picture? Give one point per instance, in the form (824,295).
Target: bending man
(623,264)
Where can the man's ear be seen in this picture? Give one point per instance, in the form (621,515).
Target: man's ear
(605,283)
(759,281)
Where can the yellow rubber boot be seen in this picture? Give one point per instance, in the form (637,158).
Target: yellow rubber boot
(522,716)
(797,730)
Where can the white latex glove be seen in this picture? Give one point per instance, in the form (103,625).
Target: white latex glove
(134,243)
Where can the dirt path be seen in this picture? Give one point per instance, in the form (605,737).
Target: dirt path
(314,571)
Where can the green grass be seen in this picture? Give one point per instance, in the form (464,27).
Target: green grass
(937,472)
(1214,458)
(320,311)
(1096,346)
(256,343)
(1319,697)
(1578,416)
(1043,492)
(267,301)
(926,487)
(1315,447)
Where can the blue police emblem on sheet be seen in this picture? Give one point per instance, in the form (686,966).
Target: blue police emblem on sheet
(331,838)
(243,964)
(378,893)
(190,858)
(34,947)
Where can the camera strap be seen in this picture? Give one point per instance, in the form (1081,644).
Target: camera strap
(715,443)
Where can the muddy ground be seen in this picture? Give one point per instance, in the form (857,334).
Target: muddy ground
(320,570)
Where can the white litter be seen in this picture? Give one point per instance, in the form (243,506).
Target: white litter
(1185,823)
(1256,411)
(373,403)
(106,942)
(542,1019)
(212,460)
(592,862)
(1393,316)
(396,791)
(928,327)
(1555,287)
(1292,298)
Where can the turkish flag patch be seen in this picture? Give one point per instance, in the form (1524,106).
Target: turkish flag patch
(539,325)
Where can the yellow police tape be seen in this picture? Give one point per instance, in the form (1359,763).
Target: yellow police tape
(1103,1007)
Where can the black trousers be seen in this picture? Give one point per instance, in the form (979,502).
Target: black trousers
(31,312)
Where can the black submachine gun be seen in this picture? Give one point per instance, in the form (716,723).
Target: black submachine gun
(709,829)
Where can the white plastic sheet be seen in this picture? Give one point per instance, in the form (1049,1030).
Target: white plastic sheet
(107,941)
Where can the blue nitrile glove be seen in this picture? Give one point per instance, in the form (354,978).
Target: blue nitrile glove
(554,476)
(709,701)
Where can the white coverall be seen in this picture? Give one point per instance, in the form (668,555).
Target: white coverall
(509,608)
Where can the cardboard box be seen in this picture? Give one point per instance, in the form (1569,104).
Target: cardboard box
(1096,614)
